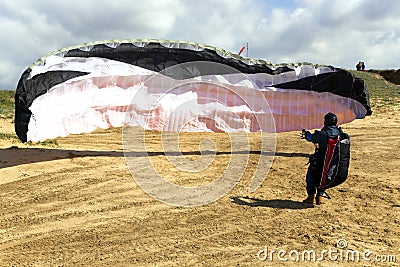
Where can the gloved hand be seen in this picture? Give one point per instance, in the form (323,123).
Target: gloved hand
(303,133)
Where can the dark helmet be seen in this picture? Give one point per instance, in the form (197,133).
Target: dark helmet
(330,119)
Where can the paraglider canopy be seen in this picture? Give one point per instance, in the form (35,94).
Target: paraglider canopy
(81,88)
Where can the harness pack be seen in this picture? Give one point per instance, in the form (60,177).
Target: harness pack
(329,168)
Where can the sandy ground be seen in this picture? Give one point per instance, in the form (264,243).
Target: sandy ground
(76,203)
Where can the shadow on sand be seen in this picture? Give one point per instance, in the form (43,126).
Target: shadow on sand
(14,156)
(272,203)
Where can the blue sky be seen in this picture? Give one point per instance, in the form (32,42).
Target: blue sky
(338,33)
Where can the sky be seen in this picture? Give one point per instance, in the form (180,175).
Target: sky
(330,32)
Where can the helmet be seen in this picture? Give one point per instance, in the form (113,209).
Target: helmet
(330,119)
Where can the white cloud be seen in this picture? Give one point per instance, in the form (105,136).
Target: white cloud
(338,33)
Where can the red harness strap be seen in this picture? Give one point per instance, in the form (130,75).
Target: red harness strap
(328,157)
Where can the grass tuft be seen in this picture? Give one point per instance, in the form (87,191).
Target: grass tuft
(7,104)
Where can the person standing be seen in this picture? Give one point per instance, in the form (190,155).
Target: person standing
(325,165)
